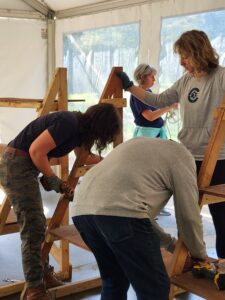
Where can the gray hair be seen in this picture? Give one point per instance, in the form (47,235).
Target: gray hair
(143,70)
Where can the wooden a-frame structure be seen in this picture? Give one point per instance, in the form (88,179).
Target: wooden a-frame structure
(112,94)
(55,99)
(208,195)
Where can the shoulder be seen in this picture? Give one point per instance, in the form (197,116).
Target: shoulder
(185,78)
(181,152)
(219,71)
(68,116)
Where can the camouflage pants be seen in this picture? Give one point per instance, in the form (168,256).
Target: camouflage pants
(19,178)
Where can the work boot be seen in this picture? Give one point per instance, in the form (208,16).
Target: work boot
(35,293)
(51,280)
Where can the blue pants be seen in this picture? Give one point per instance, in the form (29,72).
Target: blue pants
(127,252)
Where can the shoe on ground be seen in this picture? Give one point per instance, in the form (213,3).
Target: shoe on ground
(35,293)
(51,279)
(164,212)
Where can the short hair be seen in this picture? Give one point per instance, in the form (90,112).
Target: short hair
(142,71)
(196,44)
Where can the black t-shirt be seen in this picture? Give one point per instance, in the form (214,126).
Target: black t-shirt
(63,127)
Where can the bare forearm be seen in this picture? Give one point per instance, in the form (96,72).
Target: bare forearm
(42,164)
(153,115)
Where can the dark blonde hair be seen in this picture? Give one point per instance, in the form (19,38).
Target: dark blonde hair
(99,125)
(196,45)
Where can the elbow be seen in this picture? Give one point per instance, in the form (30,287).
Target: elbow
(34,153)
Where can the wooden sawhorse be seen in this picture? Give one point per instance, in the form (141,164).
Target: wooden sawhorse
(112,93)
(208,194)
(55,99)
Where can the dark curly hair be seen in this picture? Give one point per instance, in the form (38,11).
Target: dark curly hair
(99,125)
(196,44)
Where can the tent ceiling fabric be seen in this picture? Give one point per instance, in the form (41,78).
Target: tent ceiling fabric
(61,5)
(62,9)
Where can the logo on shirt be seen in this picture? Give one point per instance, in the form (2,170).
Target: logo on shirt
(193,95)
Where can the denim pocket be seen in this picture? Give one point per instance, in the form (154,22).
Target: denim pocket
(115,229)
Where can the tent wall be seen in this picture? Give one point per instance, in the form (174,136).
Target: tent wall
(149,16)
(23,56)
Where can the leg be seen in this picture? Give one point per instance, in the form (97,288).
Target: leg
(135,248)
(22,189)
(217,210)
(114,282)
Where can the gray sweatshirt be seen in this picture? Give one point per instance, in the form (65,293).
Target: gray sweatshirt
(137,179)
(198,99)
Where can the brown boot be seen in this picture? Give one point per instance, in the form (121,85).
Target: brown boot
(51,279)
(35,293)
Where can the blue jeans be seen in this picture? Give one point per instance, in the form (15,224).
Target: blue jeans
(127,252)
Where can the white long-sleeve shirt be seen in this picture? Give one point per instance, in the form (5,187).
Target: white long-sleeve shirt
(137,179)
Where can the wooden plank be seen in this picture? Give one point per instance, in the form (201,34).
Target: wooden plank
(50,95)
(215,190)
(215,143)
(9,289)
(114,90)
(117,102)
(71,234)
(113,85)
(210,199)
(63,202)
(64,265)
(62,92)
(2,148)
(199,286)
(64,290)
(74,288)
(10,228)
(5,209)
(36,104)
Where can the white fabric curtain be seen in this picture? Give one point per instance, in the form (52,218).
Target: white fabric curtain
(23,56)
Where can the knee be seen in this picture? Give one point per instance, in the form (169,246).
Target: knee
(32,224)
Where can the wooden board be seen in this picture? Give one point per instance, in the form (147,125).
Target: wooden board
(199,286)
(69,233)
(215,190)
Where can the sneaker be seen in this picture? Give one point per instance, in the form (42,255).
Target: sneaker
(164,212)
(51,279)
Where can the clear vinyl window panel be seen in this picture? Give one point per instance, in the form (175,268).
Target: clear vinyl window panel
(89,57)
(212,23)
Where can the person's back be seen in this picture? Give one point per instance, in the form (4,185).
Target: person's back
(134,177)
(111,214)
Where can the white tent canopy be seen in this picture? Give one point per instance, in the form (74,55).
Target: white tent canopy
(32,34)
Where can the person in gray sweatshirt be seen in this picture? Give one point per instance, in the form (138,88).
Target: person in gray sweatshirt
(112,207)
(199,92)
